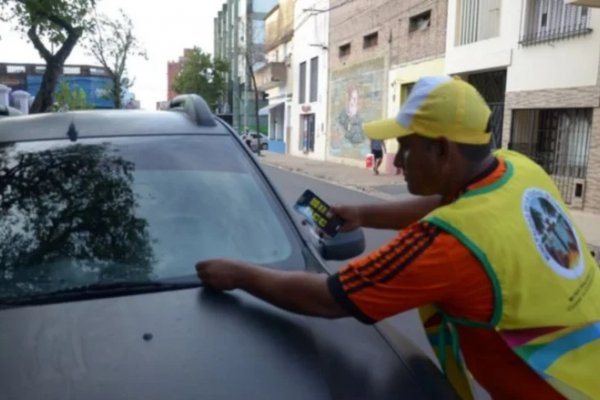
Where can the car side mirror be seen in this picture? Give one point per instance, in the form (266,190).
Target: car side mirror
(343,246)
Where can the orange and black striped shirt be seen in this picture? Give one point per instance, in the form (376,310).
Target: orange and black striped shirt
(425,265)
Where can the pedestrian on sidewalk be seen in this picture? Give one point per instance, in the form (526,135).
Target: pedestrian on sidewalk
(378,150)
(397,162)
(504,282)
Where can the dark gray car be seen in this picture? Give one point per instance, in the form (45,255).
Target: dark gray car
(103,215)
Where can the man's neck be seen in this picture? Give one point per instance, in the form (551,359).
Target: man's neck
(470,174)
(478,169)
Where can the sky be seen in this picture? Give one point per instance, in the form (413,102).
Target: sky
(163,28)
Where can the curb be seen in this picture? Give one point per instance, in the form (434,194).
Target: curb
(360,189)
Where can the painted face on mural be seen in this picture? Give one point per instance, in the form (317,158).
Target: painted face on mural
(353,103)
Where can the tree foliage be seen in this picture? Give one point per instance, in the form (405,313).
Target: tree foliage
(68,98)
(112,43)
(49,24)
(202,75)
(69,208)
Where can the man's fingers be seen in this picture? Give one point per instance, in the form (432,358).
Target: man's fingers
(200,269)
(203,270)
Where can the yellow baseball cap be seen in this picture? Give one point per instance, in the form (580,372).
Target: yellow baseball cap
(438,106)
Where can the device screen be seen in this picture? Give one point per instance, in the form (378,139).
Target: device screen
(318,213)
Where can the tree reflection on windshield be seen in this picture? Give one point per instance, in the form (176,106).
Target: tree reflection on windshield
(68,219)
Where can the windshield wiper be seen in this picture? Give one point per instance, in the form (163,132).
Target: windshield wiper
(97,290)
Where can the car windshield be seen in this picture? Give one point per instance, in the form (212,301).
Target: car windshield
(132,209)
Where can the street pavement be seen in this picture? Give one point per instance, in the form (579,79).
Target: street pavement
(390,186)
(383,186)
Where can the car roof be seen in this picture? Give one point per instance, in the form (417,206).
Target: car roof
(189,115)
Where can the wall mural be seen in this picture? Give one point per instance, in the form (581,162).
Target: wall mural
(356,96)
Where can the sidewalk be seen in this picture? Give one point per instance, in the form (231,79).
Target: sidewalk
(388,187)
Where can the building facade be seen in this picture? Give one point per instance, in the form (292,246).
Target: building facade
(173,70)
(420,32)
(310,61)
(378,49)
(537,63)
(239,38)
(274,75)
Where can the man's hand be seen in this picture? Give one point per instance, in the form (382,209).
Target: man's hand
(351,214)
(220,274)
(297,291)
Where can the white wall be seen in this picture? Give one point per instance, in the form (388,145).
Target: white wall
(490,53)
(310,30)
(282,93)
(566,63)
(571,62)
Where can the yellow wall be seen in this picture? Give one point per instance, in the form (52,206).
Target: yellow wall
(399,77)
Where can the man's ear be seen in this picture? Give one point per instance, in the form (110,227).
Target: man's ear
(443,147)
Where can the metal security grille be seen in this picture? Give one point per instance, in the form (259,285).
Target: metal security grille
(558,140)
(496,123)
(477,20)
(492,86)
(547,20)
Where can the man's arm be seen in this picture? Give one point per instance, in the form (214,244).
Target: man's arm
(393,215)
(299,292)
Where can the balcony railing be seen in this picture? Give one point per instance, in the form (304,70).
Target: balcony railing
(271,75)
(551,20)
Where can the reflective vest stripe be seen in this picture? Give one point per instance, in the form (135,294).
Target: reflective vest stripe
(544,357)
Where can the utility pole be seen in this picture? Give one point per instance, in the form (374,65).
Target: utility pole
(235,59)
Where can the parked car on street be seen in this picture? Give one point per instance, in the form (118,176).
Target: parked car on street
(104,214)
(254,140)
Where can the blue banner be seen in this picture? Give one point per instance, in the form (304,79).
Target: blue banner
(95,88)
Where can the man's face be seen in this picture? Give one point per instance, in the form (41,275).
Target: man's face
(422,166)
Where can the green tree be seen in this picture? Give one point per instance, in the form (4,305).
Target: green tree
(202,75)
(67,98)
(71,206)
(112,43)
(49,24)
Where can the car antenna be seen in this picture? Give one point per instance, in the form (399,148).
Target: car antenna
(72,132)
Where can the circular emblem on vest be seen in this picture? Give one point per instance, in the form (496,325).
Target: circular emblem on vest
(553,233)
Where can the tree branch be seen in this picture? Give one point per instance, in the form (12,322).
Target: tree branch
(37,43)
(52,18)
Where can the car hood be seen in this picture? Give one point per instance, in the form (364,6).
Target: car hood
(195,344)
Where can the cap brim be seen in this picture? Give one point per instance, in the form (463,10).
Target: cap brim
(385,129)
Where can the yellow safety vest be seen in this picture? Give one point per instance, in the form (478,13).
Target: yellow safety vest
(546,283)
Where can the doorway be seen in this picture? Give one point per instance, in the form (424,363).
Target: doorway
(307,139)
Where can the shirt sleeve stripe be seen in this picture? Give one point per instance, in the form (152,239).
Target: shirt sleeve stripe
(397,249)
(408,261)
(372,266)
(387,260)
(399,263)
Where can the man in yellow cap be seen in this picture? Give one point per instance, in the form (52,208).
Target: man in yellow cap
(503,278)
